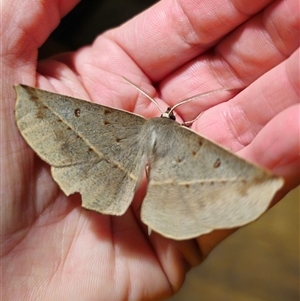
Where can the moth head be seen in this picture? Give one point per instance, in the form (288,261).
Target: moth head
(168,114)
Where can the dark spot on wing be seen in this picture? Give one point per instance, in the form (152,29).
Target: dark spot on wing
(187,185)
(106,122)
(179,160)
(65,147)
(217,163)
(194,153)
(41,111)
(107,111)
(34,98)
(40,114)
(200,143)
(243,191)
(118,140)
(77,112)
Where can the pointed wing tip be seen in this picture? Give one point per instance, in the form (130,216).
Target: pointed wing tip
(19,86)
(281,182)
(22,89)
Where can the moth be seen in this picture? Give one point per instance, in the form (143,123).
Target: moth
(194,185)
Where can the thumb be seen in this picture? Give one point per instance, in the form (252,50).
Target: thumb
(25,25)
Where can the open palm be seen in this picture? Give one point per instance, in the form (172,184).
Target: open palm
(52,249)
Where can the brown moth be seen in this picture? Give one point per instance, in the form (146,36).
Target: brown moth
(194,185)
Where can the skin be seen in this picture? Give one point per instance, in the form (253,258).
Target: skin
(51,248)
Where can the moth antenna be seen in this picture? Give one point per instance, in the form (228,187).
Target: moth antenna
(190,122)
(201,95)
(144,93)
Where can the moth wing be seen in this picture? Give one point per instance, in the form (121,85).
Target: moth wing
(196,186)
(92,149)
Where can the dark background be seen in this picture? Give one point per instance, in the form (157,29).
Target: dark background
(259,262)
(89,19)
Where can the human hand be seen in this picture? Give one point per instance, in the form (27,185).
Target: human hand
(54,249)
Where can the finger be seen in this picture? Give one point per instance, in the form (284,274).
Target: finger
(277,148)
(254,48)
(155,46)
(24,33)
(173,32)
(235,123)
